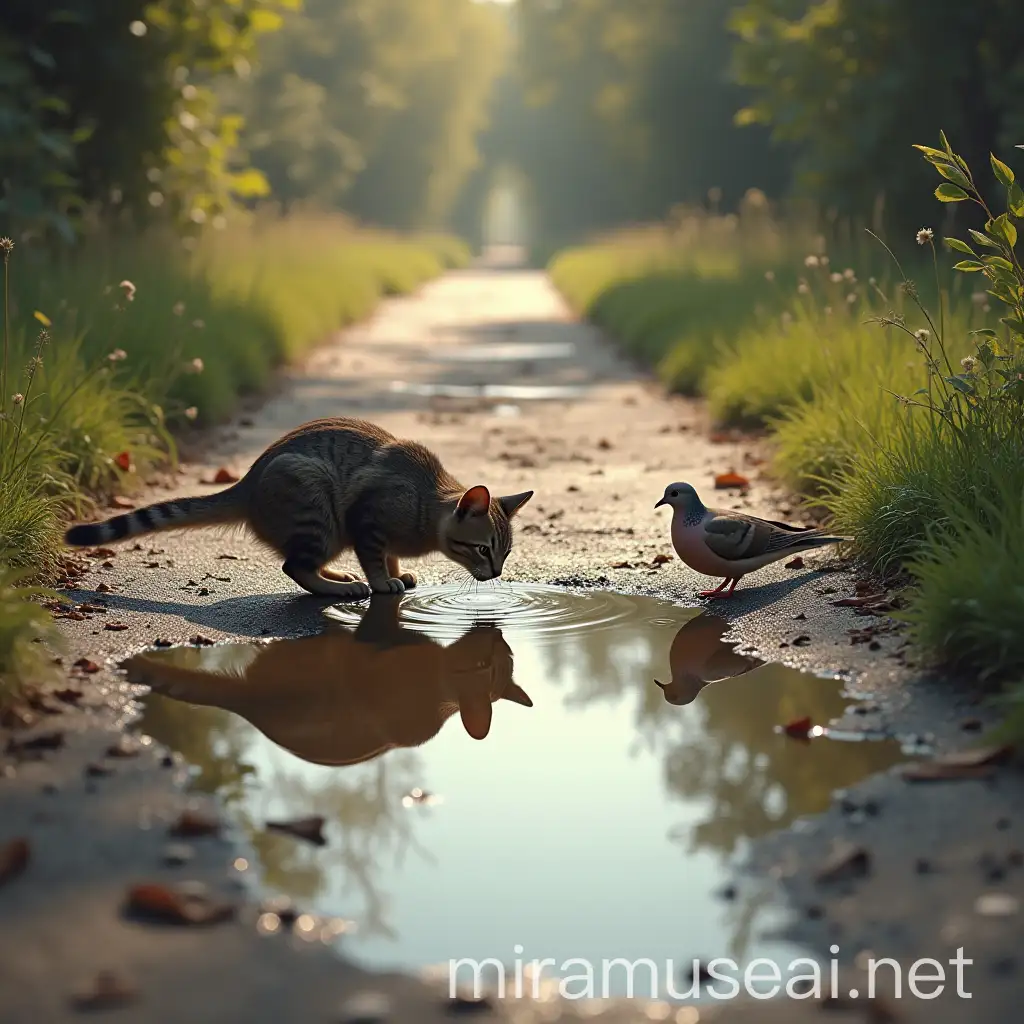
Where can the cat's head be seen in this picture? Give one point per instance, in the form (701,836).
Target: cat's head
(478,533)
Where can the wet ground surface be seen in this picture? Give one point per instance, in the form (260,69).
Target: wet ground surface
(937,865)
(654,776)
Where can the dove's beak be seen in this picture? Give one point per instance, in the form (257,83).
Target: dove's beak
(658,504)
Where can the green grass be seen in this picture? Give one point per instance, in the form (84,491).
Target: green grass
(928,475)
(23,622)
(145,337)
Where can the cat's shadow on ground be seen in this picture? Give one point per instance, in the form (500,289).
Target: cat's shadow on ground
(295,614)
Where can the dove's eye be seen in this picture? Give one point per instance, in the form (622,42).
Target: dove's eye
(675,494)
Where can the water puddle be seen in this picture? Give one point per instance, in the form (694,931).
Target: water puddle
(508,351)
(512,772)
(508,392)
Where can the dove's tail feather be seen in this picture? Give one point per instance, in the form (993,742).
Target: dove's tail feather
(820,540)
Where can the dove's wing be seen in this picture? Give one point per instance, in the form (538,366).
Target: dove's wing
(734,536)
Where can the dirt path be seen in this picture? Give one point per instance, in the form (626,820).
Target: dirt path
(486,367)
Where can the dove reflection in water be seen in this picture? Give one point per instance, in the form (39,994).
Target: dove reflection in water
(699,656)
(344,697)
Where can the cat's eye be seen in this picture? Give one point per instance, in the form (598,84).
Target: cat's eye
(483,549)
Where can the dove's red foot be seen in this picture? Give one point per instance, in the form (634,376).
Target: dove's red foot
(716,594)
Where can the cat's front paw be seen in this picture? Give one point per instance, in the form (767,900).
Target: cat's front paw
(355,591)
(392,586)
(408,580)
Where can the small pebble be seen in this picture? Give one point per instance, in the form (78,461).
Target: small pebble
(996,904)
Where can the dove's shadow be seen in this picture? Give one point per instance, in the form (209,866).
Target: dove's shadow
(764,595)
(252,615)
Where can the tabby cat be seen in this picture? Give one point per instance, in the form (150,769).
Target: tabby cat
(345,697)
(334,484)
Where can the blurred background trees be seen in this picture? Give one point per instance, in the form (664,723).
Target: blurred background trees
(406,113)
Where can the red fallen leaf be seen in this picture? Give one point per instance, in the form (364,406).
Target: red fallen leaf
(225,476)
(193,824)
(795,563)
(310,829)
(799,728)
(661,559)
(106,992)
(725,481)
(85,665)
(176,904)
(123,460)
(75,616)
(120,501)
(116,627)
(102,588)
(14,857)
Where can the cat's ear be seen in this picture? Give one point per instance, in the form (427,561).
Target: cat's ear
(512,503)
(475,502)
(516,694)
(475,710)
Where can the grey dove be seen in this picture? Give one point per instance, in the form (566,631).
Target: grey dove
(715,542)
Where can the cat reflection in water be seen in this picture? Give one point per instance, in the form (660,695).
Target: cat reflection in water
(344,697)
(699,656)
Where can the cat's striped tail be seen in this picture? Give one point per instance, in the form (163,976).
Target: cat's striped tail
(223,507)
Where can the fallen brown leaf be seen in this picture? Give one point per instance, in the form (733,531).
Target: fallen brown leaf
(102,553)
(225,476)
(68,695)
(801,641)
(978,763)
(102,588)
(845,861)
(309,829)
(858,602)
(622,565)
(120,501)
(181,904)
(661,559)
(725,481)
(795,563)
(193,824)
(106,991)
(604,444)
(116,627)
(45,741)
(86,665)
(14,857)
